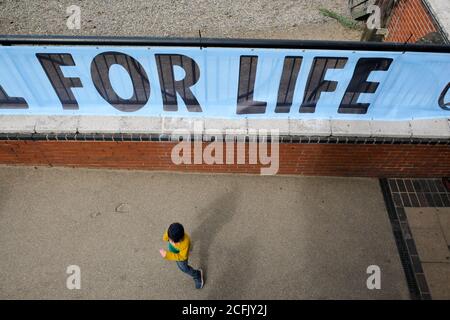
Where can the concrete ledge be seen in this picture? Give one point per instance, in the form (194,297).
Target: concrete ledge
(141,124)
(346,128)
(433,128)
(310,127)
(17,124)
(281,124)
(226,125)
(396,129)
(180,125)
(441,11)
(57,124)
(98,124)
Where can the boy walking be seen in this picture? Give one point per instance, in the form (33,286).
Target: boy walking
(178,246)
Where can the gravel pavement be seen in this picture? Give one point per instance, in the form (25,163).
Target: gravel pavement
(284,19)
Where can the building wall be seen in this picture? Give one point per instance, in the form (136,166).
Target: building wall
(365,160)
(410,21)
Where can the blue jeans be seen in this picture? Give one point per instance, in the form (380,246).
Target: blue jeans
(195,274)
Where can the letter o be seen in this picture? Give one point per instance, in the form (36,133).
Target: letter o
(100,77)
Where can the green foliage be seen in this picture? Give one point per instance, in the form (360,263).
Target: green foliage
(346,22)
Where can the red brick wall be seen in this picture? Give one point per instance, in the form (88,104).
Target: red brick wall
(306,159)
(409,18)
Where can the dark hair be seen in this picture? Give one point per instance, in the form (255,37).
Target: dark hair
(176,232)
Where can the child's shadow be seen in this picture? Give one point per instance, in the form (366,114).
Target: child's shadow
(215,216)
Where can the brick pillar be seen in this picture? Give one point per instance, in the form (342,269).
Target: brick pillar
(410,21)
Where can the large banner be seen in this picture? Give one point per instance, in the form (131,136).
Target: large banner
(225,83)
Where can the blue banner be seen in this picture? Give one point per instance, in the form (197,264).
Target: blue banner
(224,83)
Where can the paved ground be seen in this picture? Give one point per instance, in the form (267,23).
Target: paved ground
(421,212)
(288,19)
(430,229)
(256,237)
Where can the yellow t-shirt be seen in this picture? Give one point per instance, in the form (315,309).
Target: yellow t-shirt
(182,247)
